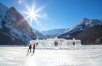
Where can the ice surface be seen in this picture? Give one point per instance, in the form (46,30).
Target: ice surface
(84,56)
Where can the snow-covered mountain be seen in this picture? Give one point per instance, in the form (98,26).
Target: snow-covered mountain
(38,34)
(53,33)
(14,28)
(81,27)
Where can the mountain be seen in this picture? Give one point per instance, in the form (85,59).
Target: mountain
(14,28)
(38,34)
(53,33)
(84,25)
(92,35)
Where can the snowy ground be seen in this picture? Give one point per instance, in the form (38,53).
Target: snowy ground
(83,56)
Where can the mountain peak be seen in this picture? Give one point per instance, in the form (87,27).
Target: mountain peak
(90,22)
(12,8)
(85,21)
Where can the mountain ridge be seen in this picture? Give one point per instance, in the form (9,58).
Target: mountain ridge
(53,33)
(84,25)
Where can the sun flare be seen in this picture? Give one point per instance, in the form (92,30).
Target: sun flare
(33,14)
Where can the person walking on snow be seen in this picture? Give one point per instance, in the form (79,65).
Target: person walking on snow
(33,47)
(30,47)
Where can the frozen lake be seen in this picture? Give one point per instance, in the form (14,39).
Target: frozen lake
(83,56)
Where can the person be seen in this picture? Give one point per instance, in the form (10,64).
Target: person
(29,50)
(56,44)
(73,43)
(33,47)
(36,43)
(30,47)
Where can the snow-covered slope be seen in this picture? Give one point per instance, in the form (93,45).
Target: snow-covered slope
(84,25)
(53,33)
(38,34)
(15,29)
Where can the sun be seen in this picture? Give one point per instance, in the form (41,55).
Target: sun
(33,14)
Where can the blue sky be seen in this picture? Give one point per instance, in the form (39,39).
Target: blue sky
(58,13)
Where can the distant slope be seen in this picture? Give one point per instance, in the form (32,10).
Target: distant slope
(15,29)
(84,25)
(38,34)
(53,33)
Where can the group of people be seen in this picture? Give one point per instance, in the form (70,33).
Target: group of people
(31,48)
